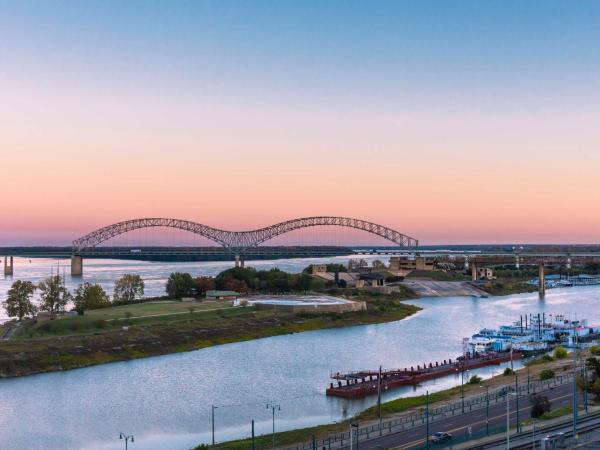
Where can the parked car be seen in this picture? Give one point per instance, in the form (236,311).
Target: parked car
(440,436)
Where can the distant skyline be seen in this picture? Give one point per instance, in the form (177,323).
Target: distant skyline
(450,121)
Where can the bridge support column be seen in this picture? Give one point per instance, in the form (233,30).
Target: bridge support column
(8,266)
(541,281)
(76,266)
(238,261)
(474,274)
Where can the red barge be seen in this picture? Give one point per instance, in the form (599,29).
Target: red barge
(363,383)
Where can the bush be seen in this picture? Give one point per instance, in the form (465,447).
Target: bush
(475,380)
(539,405)
(508,371)
(547,374)
(100,323)
(548,358)
(75,325)
(560,352)
(595,350)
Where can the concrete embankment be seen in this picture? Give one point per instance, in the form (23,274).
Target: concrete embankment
(431,288)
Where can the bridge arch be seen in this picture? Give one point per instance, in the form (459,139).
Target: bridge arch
(238,241)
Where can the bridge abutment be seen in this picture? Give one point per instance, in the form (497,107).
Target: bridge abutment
(76,266)
(8,266)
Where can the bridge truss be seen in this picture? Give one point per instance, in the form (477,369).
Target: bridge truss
(237,242)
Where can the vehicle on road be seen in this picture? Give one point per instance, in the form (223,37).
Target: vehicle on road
(440,436)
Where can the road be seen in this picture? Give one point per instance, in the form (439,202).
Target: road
(459,425)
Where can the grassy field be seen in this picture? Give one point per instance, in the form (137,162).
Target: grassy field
(113,318)
(157,328)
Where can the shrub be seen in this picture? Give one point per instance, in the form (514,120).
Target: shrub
(508,371)
(548,358)
(100,323)
(475,380)
(539,405)
(547,374)
(595,350)
(75,325)
(560,352)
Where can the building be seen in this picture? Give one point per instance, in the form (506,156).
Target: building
(222,295)
(485,273)
(318,268)
(406,264)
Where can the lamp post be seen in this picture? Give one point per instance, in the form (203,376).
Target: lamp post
(575,386)
(487,409)
(517,399)
(462,389)
(352,427)
(427,419)
(508,394)
(273,407)
(127,438)
(212,421)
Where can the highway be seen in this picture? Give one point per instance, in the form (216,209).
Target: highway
(459,425)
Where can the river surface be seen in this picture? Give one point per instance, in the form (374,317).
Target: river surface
(166,401)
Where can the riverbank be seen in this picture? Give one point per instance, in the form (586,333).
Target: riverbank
(407,405)
(75,342)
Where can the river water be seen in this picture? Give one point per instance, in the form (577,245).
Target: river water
(166,401)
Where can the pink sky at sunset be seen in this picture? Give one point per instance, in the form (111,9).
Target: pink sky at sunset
(85,143)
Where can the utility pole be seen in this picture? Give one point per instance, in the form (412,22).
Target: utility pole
(273,407)
(517,399)
(127,438)
(253,442)
(212,416)
(427,419)
(575,387)
(379,401)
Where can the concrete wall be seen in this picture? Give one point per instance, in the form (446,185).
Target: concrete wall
(339,308)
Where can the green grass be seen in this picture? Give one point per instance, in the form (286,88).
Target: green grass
(557,413)
(114,318)
(322,431)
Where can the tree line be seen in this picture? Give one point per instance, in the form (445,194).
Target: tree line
(242,280)
(54,296)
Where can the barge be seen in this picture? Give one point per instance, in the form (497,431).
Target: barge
(363,383)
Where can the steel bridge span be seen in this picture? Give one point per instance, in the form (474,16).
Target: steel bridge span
(237,244)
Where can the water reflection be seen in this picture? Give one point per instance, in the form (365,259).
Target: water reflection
(165,401)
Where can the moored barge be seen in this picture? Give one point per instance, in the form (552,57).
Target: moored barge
(363,383)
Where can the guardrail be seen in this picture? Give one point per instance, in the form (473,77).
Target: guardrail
(408,421)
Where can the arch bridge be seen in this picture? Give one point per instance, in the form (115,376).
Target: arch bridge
(235,243)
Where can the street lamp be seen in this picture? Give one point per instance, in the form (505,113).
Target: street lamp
(462,389)
(127,438)
(273,407)
(508,394)
(352,426)
(212,416)
(487,409)
(427,419)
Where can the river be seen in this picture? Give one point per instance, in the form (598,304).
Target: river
(166,401)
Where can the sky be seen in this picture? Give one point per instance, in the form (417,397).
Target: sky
(450,121)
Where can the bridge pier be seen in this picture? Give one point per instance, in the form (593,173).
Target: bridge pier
(474,270)
(76,265)
(8,266)
(541,281)
(239,261)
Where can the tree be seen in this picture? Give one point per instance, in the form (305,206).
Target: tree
(233,284)
(547,374)
(90,296)
(378,265)
(204,284)
(539,405)
(355,265)
(128,288)
(560,352)
(245,274)
(180,285)
(475,380)
(53,294)
(18,302)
